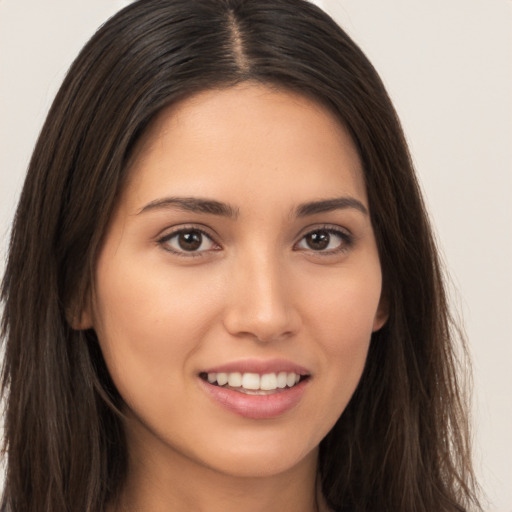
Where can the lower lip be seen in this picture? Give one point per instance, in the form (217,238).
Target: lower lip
(257,406)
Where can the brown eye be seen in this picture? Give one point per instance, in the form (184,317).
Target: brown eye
(318,240)
(188,241)
(328,241)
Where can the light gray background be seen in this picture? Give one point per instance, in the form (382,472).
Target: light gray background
(448,67)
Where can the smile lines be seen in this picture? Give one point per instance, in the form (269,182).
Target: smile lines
(253,381)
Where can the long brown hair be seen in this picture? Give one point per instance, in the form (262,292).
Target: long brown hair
(402,443)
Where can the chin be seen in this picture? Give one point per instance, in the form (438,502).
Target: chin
(262,463)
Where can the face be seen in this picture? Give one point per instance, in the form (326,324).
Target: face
(239,281)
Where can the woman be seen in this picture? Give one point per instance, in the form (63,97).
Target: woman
(235,299)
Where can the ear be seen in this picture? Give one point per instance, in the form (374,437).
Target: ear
(80,319)
(382,315)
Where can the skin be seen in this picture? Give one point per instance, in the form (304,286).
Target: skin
(254,289)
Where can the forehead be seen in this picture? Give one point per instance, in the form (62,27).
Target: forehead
(246,138)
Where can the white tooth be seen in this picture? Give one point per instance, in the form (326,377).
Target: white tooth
(251,381)
(212,377)
(235,380)
(281,380)
(297,378)
(268,381)
(222,378)
(290,380)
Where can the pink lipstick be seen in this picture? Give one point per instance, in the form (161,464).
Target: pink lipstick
(256,389)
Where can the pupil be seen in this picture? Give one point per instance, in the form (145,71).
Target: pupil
(190,241)
(318,240)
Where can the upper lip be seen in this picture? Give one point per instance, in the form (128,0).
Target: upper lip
(259,366)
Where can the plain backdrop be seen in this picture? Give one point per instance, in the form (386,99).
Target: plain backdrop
(447,65)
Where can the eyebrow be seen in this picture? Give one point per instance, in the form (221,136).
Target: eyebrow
(192,204)
(329,205)
(210,206)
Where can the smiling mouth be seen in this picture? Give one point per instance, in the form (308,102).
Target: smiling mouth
(254,383)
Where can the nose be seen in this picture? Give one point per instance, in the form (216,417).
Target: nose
(260,304)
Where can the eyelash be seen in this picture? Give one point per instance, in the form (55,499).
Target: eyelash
(163,241)
(347,241)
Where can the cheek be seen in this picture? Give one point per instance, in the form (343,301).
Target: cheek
(345,306)
(145,328)
(342,320)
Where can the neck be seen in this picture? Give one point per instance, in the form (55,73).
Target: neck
(164,480)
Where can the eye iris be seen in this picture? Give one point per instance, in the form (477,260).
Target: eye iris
(318,240)
(190,241)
